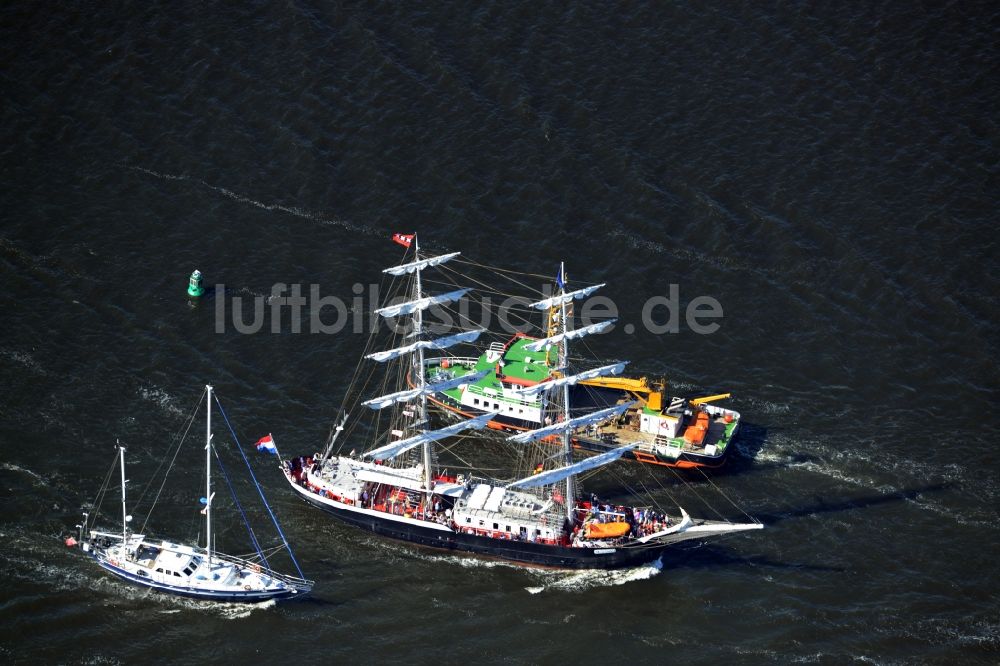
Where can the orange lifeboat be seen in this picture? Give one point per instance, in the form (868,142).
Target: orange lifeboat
(695,433)
(605,530)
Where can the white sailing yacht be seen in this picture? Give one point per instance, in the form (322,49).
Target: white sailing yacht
(189,570)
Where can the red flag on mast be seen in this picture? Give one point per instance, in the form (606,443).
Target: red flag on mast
(403,239)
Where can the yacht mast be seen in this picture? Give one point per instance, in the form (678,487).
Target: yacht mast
(121,461)
(564,363)
(208,473)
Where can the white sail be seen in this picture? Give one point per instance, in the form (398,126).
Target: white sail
(537,345)
(403,269)
(409,307)
(555,475)
(559,299)
(578,422)
(393,449)
(439,343)
(614,369)
(384,401)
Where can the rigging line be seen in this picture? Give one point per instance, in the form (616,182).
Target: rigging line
(488,287)
(493,311)
(397,288)
(250,556)
(648,497)
(547,278)
(156,472)
(690,487)
(459,439)
(503,270)
(171,466)
(652,497)
(643,498)
(239,506)
(720,491)
(491,292)
(353,392)
(498,335)
(368,344)
(260,490)
(482,304)
(621,480)
(383,387)
(194,525)
(354,395)
(99,499)
(476,468)
(448,450)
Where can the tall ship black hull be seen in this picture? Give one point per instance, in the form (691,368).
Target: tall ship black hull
(601,553)
(392,485)
(535,554)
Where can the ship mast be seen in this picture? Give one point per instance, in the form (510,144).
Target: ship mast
(208,474)
(563,363)
(424,436)
(121,460)
(418,320)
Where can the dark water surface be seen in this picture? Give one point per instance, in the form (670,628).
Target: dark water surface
(828,173)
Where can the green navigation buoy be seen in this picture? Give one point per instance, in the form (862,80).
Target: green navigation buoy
(194,285)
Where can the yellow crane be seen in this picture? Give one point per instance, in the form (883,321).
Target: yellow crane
(649,395)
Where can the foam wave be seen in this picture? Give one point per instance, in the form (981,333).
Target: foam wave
(574,581)
(235,196)
(24,359)
(865,467)
(768,407)
(719,261)
(984,520)
(36,478)
(587,579)
(100,659)
(162,398)
(469,561)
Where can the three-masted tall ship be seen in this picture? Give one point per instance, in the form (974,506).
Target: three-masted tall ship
(390,483)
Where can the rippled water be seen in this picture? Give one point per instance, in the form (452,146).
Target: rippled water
(829,174)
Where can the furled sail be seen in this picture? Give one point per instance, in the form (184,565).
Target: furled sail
(384,401)
(403,269)
(559,299)
(569,335)
(555,475)
(578,422)
(409,307)
(387,400)
(614,369)
(439,343)
(393,449)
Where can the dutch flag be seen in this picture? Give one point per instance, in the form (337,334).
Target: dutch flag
(266,444)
